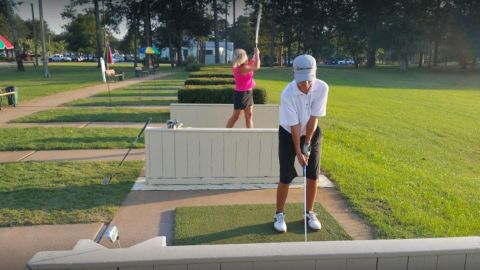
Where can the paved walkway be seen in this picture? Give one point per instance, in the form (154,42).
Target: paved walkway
(71,155)
(44,103)
(83,124)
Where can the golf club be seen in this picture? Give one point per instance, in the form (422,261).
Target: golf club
(305,200)
(106,180)
(258,24)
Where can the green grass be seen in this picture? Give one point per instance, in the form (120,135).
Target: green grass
(137,93)
(403,148)
(123,101)
(235,224)
(33,193)
(159,92)
(97,115)
(64,138)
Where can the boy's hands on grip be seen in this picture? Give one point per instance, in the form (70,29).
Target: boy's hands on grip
(306,149)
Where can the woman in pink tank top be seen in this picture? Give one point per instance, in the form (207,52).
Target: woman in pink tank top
(243,70)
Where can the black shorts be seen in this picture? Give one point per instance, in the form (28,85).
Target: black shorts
(242,99)
(287,155)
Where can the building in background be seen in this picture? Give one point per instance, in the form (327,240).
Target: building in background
(204,52)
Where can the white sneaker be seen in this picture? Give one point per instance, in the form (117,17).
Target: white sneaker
(313,222)
(279,223)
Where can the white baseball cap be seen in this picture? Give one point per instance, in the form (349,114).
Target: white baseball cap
(304,68)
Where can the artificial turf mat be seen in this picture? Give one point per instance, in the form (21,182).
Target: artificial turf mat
(250,223)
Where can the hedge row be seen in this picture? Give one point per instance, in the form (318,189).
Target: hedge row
(220,95)
(210,81)
(210,74)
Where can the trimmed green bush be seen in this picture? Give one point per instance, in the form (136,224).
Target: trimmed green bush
(209,81)
(217,95)
(212,74)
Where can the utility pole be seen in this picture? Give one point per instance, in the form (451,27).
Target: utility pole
(46,74)
(35,63)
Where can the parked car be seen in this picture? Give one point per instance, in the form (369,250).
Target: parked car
(330,62)
(118,58)
(346,62)
(59,58)
(77,58)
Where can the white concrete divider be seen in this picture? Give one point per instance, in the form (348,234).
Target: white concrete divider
(461,253)
(217,115)
(193,156)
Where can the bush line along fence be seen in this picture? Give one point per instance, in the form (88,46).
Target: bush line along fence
(214,85)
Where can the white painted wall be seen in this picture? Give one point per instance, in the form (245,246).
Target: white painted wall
(211,156)
(217,115)
(460,253)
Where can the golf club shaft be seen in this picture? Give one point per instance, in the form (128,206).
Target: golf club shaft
(135,141)
(305,199)
(258,24)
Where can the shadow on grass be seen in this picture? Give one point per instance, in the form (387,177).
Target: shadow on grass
(140,102)
(235,224)
(103,140)
(263,233)
(96,115)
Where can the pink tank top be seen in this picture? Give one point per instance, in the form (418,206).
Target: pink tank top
(243,82)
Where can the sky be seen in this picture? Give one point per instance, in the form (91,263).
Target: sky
(52,10)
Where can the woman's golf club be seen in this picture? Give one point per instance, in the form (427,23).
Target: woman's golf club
(258,24)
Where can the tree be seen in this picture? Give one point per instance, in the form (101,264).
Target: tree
(80,34)
(373,16)
(13,28)
(405,30)
(180,22)
(469,14)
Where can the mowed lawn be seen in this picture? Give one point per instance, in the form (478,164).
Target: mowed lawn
(403,148)
(33,193)
(63,77)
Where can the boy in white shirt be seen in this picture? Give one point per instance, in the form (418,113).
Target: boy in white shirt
(302,101)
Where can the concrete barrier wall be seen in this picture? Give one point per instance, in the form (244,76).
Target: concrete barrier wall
(462,253)
(211,156)
(217,115)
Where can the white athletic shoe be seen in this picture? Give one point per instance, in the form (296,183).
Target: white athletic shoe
(313,222)
(279,223)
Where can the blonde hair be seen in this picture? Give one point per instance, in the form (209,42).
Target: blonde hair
(239,57)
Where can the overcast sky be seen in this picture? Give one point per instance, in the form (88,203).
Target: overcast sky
(53,8)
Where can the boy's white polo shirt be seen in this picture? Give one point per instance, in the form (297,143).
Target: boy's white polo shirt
(297,107)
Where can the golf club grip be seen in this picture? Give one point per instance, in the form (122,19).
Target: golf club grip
(141,132)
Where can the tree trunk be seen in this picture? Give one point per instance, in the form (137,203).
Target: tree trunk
(146,26)
(135,32)
(215,30)
(474,63)
(13,29)
(98,33)
(179,55)
(420,60)
(403,63)
(272,37)
(226,27)
(46,74)
(371,57)
(435,53)
(289,48)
